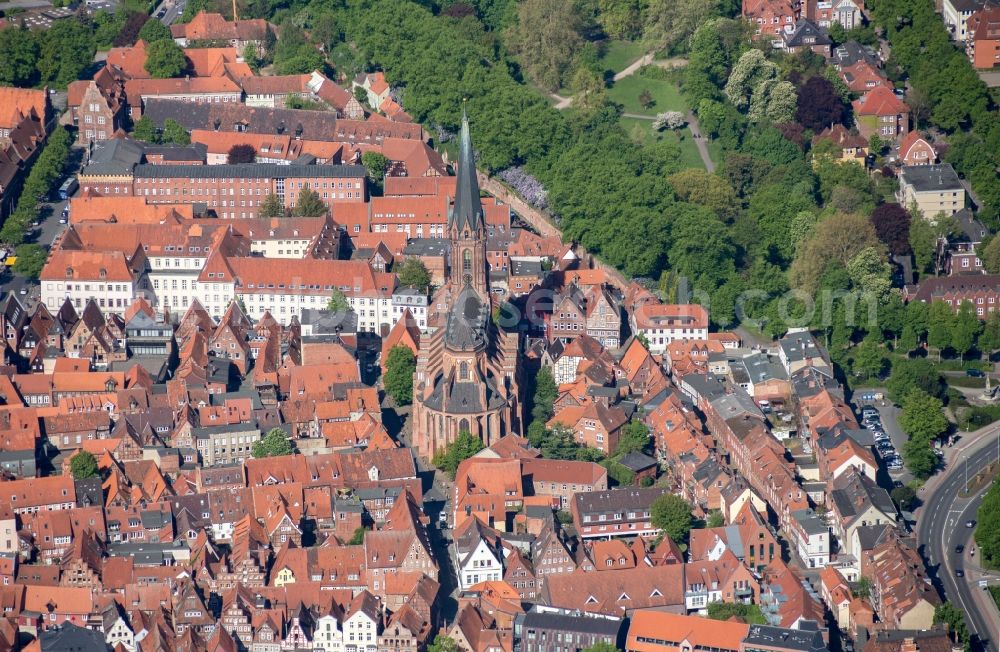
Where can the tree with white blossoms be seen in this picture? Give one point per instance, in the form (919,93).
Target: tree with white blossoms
(669,120)
(773,101)
(751,69)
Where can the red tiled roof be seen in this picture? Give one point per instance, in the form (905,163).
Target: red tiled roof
(880,101)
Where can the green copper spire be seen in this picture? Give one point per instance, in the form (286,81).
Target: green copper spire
(468,209)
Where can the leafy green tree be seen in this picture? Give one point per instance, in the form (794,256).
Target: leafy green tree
(716,519)
(83,465)
(672,514)
(442,643)
(413,273)
(634,437)
(748,613)
(965,328)
(589,91)
(30,260)
(545,396)
(293,54)
(309,204)
(991,256)
(175,133)
(153,30)
(870,272)
(376,165)
(904,497)
(400,363)
(988,527)
(274,444)
(251,57)
(923,420)
(940,321)
(272,206)
(922,416)
(834,241)
(19,54)
(165,59)
(705,189)
(144,129)
(546,40)
(869,360)
(909,375)
(620,19)
(948,613)
(923,242)
(66,52)
(908,340)
(989,338)
(465,446)
(338,302)
(669,23)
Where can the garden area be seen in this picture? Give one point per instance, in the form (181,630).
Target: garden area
(648,92)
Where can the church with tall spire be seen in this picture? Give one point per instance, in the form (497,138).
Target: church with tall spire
(468,373)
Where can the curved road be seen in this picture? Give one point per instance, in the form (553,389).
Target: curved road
(941,527)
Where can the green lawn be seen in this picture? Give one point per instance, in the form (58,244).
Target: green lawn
(666,96)
(619,54)
(689,151)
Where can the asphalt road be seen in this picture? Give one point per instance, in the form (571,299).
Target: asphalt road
(942,526)
(172,10)
(44,234)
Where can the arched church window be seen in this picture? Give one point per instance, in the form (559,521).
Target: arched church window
(467,261)
(463,371)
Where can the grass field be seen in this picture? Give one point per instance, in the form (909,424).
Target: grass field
(619,54)
(666,96)
(689,151)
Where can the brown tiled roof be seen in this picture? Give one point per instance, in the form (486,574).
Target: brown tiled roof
(316,125)
(619,591)
(87,266)
(18,103)
(879,101)
(698,631)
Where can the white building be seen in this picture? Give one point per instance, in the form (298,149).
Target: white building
(108,277)
(812,538)
(661,324)
(413,300)
(478,556)
(956,14)
(362,624)
(328,635)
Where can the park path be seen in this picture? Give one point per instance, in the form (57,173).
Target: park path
(644,60)
(699,142)
(563,102)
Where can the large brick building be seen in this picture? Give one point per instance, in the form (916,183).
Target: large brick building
(231,191)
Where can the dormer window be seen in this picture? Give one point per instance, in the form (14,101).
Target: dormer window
(69,272)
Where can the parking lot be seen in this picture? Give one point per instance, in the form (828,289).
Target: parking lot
(885,427)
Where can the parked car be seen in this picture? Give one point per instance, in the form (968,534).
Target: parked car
(970,524)
(868,411)
(973,373)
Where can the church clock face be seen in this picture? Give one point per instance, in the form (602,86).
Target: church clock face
(467,278)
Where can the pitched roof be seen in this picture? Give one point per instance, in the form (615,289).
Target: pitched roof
(697,631)
(880,101)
